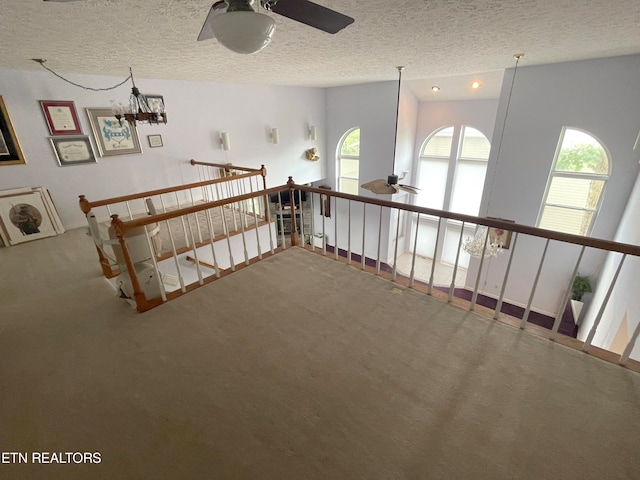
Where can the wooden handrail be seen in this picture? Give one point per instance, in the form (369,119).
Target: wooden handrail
(177,188)
(601,244)
(227,166)
(161,217)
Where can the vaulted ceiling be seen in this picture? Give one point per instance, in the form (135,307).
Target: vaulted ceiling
(443,42)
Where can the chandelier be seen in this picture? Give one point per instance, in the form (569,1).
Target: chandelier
(476,246)
(138,108)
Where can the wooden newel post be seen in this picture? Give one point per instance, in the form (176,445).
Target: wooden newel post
(295,238)
(138,294)
(107,271)
(267,210)
(84,204)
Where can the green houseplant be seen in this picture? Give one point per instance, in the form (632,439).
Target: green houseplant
(581,285)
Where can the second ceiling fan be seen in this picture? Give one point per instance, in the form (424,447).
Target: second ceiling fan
(391,185)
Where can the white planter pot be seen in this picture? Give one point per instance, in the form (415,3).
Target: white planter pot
(576,308)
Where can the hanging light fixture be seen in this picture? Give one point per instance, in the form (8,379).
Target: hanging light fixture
(476,246)
(238,27)
(138,108)
(481,243)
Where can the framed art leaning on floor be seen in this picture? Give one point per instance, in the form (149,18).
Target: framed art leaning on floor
(24,217)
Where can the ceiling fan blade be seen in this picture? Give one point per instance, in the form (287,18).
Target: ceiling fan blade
(206,32)
(380,186)
(312,14)
(408,188)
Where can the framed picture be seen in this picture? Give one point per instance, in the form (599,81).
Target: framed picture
(500,236)
(10,152)
(155,102)
(155,140)
(61,117)
(25,217)
(112,137)
(73,150)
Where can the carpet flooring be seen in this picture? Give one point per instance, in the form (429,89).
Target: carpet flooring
(297,367)
(567,324)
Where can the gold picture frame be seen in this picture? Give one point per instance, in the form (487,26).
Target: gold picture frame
(10,151)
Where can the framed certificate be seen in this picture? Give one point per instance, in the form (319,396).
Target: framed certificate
(72,150)
(112,136)
(61,117)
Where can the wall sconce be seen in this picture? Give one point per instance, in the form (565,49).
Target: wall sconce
(224,141)
(275,136)
(312,132)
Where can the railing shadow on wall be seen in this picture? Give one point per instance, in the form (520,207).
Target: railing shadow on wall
(373,208)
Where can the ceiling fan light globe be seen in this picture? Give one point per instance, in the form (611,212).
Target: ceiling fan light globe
(243,32)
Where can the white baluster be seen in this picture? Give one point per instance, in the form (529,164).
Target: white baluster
(395,249)
(525,317)
(435,255)
(379,241)
(592,332)
(413,257)
(474,297)
(129,210)
(226,232)
(363,259)
(349,233)
(280,216)
(163,293)
(184,226)
(195,253)
(212,236)
(565,300)
(196,215)
(506,277)
(173,248)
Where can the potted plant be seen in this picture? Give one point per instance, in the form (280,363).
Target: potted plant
(580,286)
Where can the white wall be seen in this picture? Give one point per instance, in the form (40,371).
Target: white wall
(197,112)
(625,301)
(600,96)
(372,107)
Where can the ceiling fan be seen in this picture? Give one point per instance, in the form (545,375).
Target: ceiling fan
(391,185)
(237,26)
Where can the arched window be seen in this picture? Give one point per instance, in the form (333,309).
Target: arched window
(349,162)
(468,157)
(471,168)
(453,164)
(433,168)
(573,196)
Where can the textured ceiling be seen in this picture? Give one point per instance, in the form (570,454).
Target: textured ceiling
(444,42)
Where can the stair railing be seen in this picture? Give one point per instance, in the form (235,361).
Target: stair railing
(343,250)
